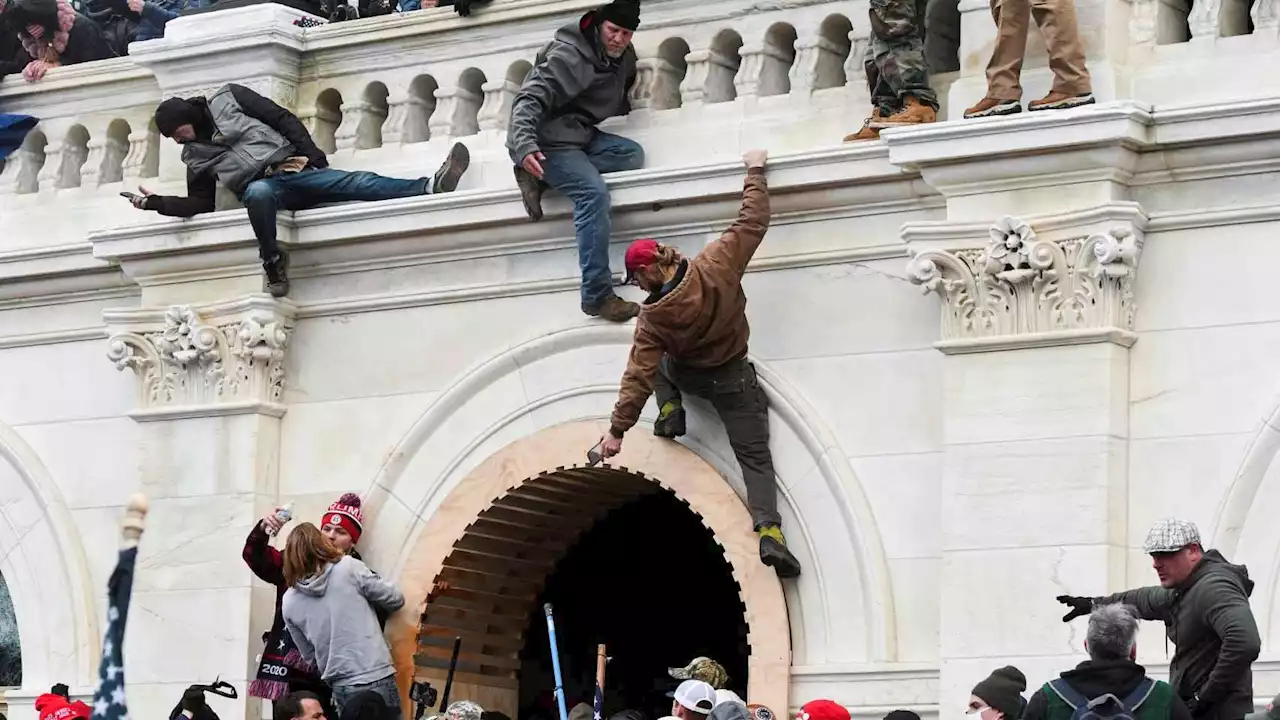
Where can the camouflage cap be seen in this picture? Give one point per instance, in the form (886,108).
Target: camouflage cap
(464,710)
(702,668)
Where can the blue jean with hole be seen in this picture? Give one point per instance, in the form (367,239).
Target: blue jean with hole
(315,186)
(577,174)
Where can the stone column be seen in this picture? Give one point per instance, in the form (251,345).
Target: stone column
(1036,329)
(495,112)
(210,382)
(641,96)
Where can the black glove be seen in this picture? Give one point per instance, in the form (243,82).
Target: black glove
(462,7)
(1080,606)
(193,699)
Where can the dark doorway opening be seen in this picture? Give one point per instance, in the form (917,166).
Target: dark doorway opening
(649,581)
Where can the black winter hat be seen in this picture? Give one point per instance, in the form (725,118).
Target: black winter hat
(1003,691)
(901,715)
(175,112)
(624,13)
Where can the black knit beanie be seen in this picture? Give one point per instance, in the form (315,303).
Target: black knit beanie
(623,13)
(1003,691)
(174,113)
(902,715)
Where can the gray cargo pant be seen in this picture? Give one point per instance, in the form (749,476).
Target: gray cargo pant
(734,391)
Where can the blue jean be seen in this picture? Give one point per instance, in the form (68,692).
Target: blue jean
(577,174)
(384,688)
(311,187)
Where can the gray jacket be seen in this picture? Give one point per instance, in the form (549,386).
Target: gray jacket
(1209,621)
(331,621)
(573,87)
(242,148)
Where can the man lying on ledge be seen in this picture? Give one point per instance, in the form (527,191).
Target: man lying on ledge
(263,154)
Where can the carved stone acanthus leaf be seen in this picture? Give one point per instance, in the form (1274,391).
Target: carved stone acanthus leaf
(188,361)
(1021,285)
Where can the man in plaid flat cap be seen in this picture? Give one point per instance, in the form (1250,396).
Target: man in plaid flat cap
(1203,601)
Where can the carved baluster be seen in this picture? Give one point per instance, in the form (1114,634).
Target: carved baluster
(10,176)
(1266,17)
(348,131)
(1204,19)
(397,113)
(466,112)
(855,67)
(135,164)
(666,85)
(418,112)
(750,73)
(641,95)
(804,71)
(694,87)
(369,131)
(496,110)
(442,120)
(91,168)
(50,173)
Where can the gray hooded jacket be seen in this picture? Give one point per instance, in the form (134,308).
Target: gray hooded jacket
(1209,622)
(573,87)
(331,621)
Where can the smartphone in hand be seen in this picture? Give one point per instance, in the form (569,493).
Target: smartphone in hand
(594,456)
(131,197)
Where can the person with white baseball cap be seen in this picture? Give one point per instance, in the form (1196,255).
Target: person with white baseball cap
(693,700)
(1203,600)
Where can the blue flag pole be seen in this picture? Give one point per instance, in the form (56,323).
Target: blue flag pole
(555,662)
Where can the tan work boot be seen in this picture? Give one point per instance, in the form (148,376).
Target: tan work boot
(613,309)
(913,112)
(1060,101)
(867,132)
(991,107)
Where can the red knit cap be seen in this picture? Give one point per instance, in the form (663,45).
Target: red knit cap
(822,710)
(346,513)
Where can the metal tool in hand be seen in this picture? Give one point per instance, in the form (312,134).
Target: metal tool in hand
(595,456)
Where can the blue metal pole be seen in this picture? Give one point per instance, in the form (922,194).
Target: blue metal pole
(555,662)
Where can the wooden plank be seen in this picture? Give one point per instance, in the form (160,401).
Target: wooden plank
(622,492)
(478,546)
(490,578)
(464,665)
(493,643)
(473,595)
(508,680)
(505,662)
(495,567)
(511,620)
(501,527)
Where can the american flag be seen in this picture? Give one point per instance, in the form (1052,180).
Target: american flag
(599,703)
(108,700)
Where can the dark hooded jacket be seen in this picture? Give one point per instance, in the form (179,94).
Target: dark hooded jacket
(201,181)
(13,57)
(573,87)
(702,321)
(119,26)
(1208,620)
(85,41)
(1094,678)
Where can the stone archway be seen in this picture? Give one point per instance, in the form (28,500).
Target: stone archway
(532,470)
(43,563)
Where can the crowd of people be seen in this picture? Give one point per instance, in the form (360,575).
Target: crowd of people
(38,35)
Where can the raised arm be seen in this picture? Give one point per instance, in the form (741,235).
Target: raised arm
(264,560)
(280,120)
(734,249)
(1152,603)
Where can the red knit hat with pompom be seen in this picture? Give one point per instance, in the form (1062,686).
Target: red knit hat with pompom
(346,513)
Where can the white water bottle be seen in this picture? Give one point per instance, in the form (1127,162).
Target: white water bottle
(285,514)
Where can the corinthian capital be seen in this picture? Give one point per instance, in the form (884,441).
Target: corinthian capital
(196,360)
(1019,290)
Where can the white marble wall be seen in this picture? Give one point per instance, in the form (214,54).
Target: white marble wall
(940,489)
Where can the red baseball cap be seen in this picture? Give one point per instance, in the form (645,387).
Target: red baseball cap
(822,710)
(640,253)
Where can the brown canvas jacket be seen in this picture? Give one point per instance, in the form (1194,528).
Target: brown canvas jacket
(702,322)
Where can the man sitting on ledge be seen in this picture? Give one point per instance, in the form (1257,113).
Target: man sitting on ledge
(263,154)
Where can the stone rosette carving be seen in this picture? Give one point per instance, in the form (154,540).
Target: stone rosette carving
(187,357)
(1019,284)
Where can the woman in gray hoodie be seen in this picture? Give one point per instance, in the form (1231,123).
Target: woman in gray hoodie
(329,612)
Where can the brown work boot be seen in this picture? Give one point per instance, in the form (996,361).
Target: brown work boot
(613,309)
(1060,101)
(991,107)
(530,193)
(913,112)
(867,132)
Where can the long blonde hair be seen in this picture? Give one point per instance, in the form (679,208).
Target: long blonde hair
(306,552)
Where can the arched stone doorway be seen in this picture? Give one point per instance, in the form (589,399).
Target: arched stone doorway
(525,547)
(530,474)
